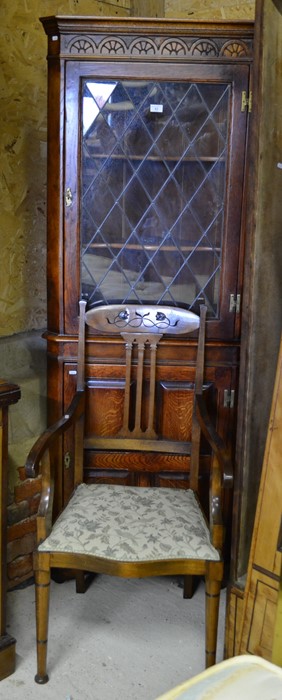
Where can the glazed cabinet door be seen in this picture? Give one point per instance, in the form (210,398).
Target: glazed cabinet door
(154,171)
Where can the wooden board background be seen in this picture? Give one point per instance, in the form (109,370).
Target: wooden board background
(261,592)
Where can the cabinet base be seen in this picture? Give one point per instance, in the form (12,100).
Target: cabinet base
(7,656)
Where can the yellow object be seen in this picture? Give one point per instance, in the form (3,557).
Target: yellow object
(241,678)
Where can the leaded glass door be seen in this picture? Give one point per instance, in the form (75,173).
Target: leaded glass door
(156,161)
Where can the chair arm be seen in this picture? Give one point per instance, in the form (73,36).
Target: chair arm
(218,446)
(47,438)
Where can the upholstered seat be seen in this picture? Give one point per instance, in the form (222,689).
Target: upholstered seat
(141,524)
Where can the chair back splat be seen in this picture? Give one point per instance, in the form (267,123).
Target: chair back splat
(142,328)
(135,525)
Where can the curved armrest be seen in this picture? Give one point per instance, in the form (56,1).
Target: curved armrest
(218,446)
(43,443)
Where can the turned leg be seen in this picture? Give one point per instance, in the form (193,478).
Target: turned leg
(212,607)
(42,592)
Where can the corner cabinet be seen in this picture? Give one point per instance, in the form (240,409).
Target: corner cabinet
(147,133)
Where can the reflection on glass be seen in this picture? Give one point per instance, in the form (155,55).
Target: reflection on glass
(153,190)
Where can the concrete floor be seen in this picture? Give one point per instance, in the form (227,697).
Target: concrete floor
(121,640)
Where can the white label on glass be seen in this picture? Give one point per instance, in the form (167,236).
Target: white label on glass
(156,108)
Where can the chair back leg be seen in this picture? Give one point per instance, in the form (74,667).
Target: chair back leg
(189,586)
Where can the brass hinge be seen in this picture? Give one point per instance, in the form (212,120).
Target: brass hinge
(228,398)
(247,102)
(235,303)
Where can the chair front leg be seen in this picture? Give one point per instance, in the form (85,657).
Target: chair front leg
(42,595)
(213,586)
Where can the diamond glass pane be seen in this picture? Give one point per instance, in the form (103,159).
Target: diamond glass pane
(153,191)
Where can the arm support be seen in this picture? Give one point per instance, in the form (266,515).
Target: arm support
(215,441)
(221,471)
(40,459)
(47,438)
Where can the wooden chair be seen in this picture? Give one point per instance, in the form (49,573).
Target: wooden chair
(133,531)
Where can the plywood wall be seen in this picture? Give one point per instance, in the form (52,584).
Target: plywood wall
(23,142)
(23,155)
(210,9)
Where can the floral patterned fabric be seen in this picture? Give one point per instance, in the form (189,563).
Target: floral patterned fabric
(130,524)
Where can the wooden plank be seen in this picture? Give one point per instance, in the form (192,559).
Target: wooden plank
(210,9)
(262,309)
(261,592)
(277,639)
(234,617)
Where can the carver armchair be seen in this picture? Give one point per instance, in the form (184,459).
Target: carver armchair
(129,530)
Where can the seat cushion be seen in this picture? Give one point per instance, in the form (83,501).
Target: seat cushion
(129,524)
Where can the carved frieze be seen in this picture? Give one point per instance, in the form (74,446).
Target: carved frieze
(156,47)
